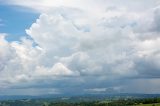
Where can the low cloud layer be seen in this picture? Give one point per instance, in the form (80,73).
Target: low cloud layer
(75,48)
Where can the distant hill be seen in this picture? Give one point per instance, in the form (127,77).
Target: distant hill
(80,97)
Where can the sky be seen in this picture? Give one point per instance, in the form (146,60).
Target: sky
(79,47)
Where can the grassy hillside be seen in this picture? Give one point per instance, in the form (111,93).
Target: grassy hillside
(153,104)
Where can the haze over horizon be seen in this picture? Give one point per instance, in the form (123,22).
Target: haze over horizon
(79,46)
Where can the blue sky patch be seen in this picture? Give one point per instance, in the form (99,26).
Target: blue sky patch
(15,21)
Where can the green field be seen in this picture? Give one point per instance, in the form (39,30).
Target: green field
(156,104)
(83,101)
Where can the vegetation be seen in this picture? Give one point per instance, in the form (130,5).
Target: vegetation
(118,102)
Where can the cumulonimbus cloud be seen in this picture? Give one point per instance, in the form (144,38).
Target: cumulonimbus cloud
(73,48)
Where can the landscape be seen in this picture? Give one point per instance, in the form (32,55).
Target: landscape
(79,52)
(86,100)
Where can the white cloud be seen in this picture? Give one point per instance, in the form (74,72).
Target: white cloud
(105,90)
(57,70)
(84,45)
